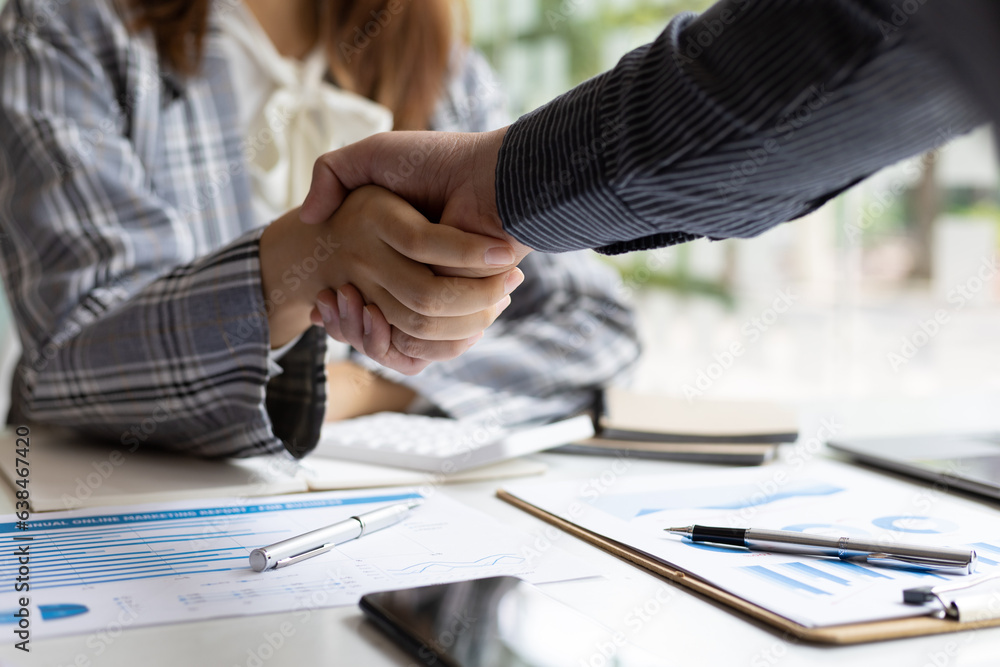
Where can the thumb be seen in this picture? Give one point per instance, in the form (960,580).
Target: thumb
(334,175)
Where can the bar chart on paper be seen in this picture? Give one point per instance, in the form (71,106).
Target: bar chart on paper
(822,498)
(189,561)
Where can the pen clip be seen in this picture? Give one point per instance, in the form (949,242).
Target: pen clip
(291,560)
(980,605)
(925,563)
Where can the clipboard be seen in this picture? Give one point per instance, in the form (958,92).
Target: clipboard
(854,633)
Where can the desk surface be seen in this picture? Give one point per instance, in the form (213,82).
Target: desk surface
(698,631)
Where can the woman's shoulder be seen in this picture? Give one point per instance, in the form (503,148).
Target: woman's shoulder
(472,99)
(92,35)
(80,20)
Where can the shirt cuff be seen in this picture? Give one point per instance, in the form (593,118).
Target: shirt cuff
(274,369)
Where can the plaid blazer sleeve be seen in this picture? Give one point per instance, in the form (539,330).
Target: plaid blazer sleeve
(128,256)
(731,122)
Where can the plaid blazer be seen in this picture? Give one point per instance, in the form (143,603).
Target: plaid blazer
(130,257)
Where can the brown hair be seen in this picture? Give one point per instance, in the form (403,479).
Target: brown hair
(395,52)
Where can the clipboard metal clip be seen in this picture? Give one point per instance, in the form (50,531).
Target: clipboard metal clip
(977,599)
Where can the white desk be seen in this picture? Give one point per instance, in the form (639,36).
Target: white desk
(698,632)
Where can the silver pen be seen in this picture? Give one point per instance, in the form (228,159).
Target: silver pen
(911,556)
(298,548)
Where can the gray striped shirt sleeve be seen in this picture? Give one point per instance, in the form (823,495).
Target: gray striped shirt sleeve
(751,114)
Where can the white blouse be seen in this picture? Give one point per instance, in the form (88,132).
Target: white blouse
(289,113)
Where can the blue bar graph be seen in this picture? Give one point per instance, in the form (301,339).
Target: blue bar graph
(122,553)
(980,547)
(820,576)
(782,580)
(816,573)
(149,545)
(855,569)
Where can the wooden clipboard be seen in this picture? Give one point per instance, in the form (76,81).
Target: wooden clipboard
(855,633)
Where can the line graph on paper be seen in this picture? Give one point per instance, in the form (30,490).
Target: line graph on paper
(190,560)
(452,566)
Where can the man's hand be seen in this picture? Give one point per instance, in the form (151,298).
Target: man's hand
(446,175)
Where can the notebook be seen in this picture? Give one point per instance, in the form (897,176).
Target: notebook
(630,415)
(738,453)
(67,471)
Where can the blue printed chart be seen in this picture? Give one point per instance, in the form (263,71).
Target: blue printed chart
(103,568)
(821,497)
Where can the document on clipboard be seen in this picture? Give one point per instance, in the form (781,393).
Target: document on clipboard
(819,599)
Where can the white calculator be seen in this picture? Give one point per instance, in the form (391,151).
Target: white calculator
(440,444)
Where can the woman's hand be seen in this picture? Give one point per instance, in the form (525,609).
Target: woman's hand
(380,245)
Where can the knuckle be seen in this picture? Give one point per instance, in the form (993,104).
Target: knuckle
(423,302)
(420,326)
(409,346)
(412,240)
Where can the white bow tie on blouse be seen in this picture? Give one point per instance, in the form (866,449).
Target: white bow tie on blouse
(292,115)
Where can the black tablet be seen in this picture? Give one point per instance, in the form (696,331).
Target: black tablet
(966,462)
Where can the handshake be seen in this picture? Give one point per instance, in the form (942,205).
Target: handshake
(397,287)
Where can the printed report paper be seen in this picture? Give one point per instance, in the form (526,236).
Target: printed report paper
(821,497)
(94,569)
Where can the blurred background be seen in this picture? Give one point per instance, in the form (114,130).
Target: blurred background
(889,290)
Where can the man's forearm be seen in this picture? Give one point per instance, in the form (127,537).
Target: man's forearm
(729,123)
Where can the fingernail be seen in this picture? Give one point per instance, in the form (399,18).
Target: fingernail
(366,320)
(342,304)
(475,339)
(514,278)
(502,306)
(325,311)
(499,256)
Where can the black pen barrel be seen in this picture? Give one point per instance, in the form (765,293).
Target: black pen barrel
(735,537)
